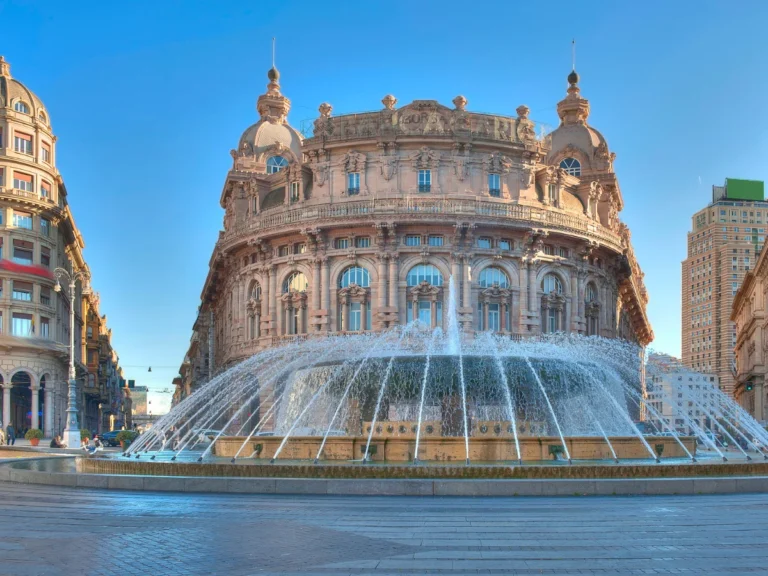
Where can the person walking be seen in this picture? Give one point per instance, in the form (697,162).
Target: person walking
(11,435)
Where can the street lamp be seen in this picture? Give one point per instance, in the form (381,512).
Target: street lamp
(72,431)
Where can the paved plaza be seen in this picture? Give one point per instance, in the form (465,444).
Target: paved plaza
(47,530)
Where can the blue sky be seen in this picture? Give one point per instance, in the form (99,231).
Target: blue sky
(147,99)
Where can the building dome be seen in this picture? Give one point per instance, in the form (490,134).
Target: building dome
(263,136)
(12,92)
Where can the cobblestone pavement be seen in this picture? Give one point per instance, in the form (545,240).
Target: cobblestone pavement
(61,531)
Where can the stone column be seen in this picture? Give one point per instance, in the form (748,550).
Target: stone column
(467,297)
(575,308)
(7,404)
(347,314)
(582,295)
(456,271)
(48,410)
(503,320)
(326,291)
(303,319)
(363,306)
(393,283)
(415,309)
(382,281)
(532,308)
(486,312)
(316,284)
(433,314)
(266,297)
(35,403)
(273,299)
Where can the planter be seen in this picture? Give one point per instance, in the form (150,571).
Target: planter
(34,441)
(122,445)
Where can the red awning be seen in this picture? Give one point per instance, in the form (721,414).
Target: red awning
(11,266)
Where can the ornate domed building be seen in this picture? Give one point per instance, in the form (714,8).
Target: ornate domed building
(359,228)
(38,234)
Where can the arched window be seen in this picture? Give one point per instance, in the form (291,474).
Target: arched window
(41,116)
(354,310)
(424,273)
(253,308)
(425,296)
(296,282)
(275,164)
(550,284)
(591,295)
(256,291)
(355,275)
(493,305)
(571,166)
(492,275)
(21,107)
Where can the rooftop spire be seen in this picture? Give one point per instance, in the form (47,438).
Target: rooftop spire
(573,109)
(5,68)
(273,106)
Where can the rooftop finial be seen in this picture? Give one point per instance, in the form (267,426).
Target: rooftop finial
(273,51)
(273,74)
(5,68)
(573,77)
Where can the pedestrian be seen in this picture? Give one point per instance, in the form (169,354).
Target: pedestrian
(57,443)
(11,435)
(2,436)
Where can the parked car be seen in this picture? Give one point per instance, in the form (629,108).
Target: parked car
(110,438)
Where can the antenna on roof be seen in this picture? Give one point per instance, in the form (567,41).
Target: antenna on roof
(273,52)
(573,54)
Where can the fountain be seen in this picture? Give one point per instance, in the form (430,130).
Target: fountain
(415,395)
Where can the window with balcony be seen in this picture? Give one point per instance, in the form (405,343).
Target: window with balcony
(22,143)
(483,242)
(283,250)
(425,180)
(413,240)
(22,291)
(494,185)
(295,196)
(299,248)
(45,227)
(45,296)
(21,107)
(21,324)
(341,243)
(45,256)
(435,240)
(275,164)
(362,242)
(22,181)
(45,152)
(22,252)
(549,250)
(353,183)
(45,189)
(45,327)
(562,252)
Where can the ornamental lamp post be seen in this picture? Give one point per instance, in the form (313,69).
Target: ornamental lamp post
(72,431)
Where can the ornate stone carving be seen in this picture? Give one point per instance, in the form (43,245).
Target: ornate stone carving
(353,293)
(525,129)
(425,291)
(354,161)
(460,166)
(425,158)
(320,173)
(323,125)
(498,163)
(388,166)
(460,102)
(389,102)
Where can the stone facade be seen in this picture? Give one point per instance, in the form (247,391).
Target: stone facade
(751,350)
(38,234)
(361,226)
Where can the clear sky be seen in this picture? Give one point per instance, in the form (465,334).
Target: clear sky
(147,99)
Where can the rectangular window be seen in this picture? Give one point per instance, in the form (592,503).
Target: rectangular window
(45,189)
(45,296)
(22,252)
(21,324)
(548,249)
(425,180)
(45,152)
(353,183)
(22,143)
(22,181)
(22,291)
(45,227)
(341,243)
(22,220)
(45,256)
(294,192)
(505,244)
(362,242)
(89,332)
(45,329)
(562,252)
(413,240)
(299,248)
(282,251)
(483,242)
(435,240)
(494,185)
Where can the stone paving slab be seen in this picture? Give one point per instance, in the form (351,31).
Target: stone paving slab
(93,532)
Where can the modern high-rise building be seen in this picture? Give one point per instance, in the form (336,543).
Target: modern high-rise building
(725,239)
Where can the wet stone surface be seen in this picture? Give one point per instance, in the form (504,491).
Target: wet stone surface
(52,531)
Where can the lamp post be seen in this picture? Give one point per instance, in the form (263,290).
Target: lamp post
(72,431)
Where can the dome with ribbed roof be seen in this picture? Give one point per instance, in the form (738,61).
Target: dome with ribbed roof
(12,92)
